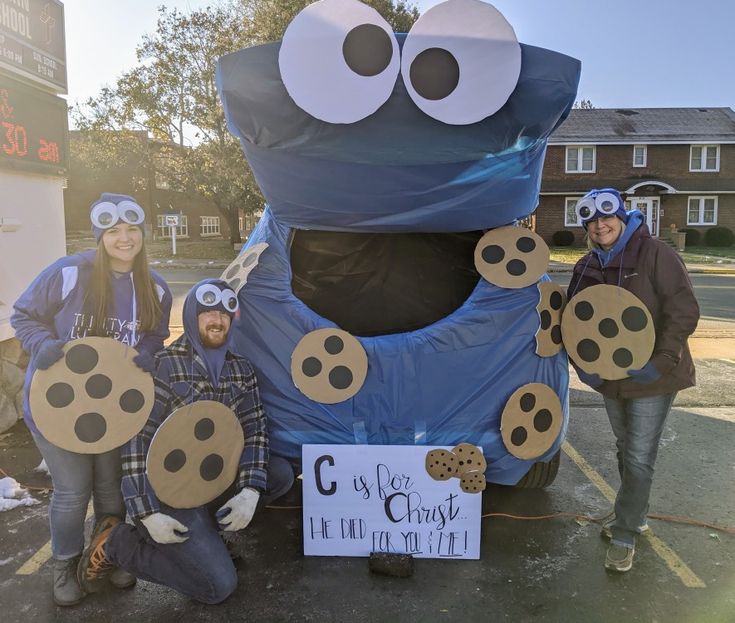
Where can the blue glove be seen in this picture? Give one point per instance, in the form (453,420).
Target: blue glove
(49,353)
(144,360)
(593,380)
(646,375)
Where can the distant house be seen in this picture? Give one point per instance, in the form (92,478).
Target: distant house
(200,218)
(676,165)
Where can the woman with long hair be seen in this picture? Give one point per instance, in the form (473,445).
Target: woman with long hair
(106,292)
(623,253)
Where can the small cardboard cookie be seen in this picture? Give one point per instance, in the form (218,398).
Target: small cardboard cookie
(531,421)
(236,274)
(195,454)
(329,365)
(441,464)
(93,399)
(552,300)
(469,459)
(511,257)
(473,482)
(607,331)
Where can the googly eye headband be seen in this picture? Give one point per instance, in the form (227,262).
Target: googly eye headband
(110,209)
(597,203)
(216,296)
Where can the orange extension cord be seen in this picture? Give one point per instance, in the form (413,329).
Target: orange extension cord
(587,518)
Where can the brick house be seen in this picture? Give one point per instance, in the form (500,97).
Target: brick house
(676,165)
(200,217)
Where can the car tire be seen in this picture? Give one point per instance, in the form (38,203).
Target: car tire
(541,474)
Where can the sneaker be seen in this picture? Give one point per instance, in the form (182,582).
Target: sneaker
(67,591)
(94,566)
(121,579)
(608,520)
(619,558)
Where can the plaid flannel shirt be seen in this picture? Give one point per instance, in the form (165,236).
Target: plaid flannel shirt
(180,380)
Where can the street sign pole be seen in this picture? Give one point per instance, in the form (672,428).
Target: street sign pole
(173,240)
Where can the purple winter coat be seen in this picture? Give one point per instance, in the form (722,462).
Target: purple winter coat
(654,272)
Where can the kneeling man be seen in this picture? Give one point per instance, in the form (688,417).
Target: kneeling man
(183,548)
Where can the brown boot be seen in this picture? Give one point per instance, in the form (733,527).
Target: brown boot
(67,591)
(94,566)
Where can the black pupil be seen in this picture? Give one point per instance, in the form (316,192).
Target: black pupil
(434,73)
(584,211)
(606,206)
(131,215)
(367,50)
(209,298)
(105,218)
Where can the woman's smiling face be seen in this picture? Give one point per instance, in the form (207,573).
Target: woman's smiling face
(605,231)
(123,242)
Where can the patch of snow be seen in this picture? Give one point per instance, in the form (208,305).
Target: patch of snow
(13,495)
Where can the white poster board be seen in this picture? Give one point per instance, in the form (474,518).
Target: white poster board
(364,499)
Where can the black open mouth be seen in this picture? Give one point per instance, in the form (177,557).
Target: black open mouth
(378,284)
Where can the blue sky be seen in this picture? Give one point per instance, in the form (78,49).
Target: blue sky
(634,53)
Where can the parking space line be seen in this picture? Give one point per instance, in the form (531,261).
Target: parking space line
(42,556)
(668,555)
(732,361)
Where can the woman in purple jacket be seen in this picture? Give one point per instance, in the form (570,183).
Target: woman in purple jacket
(623,253)
(108,292)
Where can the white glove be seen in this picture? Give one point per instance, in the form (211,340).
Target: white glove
(241,507)
(163,528)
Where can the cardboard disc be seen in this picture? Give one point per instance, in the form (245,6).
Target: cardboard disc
(511,257)
(531,421)
(607,331)
(195,454)
(552,300)
(94,398)
(236,274)
(329,365)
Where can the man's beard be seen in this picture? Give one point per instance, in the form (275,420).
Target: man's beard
(214,340)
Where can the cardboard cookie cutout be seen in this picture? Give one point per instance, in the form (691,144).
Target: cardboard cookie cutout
(236,274)
(469,459)
(531,421)
(473,482)
(329,365)
(552,300)
(94,398)
(607,331)
(511,257)
(441,464)
(195,454)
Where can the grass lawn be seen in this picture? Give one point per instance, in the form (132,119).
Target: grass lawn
(567,255)
(708,255)
(161,249)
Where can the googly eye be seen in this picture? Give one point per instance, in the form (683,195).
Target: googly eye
(208,295)
(585,208)
(461,61)
(104,215)
(130,212)
(339,60)
(606,203)
(229,300)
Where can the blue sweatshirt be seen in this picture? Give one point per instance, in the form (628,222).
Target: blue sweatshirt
(51,308)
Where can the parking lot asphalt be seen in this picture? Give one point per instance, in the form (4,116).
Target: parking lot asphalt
(546,570)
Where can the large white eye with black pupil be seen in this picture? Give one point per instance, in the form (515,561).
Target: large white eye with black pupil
(461,61)
(208,295)
(339,60)
(229,300)
(104,215)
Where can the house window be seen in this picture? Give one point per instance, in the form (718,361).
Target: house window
(570,212)
(209,226)
(640,155)
(702,211)
(164,231)
(580,159)
(704,158)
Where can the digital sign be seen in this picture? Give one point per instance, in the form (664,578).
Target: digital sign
(33,129)
(32,41)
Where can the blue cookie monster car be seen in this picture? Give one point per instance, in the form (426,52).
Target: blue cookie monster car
(371,227)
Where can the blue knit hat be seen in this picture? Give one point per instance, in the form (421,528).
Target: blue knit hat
(597,203)
(112,208)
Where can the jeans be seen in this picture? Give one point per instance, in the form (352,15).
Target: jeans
(75,478)
(637,424)
(200,567)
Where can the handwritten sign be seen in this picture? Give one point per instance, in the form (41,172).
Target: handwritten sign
(363,499)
